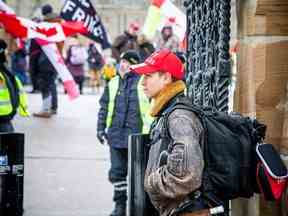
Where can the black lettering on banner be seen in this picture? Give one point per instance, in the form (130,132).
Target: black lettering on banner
(83,11)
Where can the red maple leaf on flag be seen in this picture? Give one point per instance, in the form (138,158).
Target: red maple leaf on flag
(157,3)
(24,28)
(48,32)
(172,20)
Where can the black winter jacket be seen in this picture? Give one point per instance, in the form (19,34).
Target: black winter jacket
(126,117)
(40,66)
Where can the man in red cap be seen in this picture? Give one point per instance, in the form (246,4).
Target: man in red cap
(175,163)
(126,41)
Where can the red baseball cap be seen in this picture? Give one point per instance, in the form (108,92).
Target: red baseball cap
(134,26)
(161,61)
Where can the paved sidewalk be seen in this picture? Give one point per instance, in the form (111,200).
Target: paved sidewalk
(65,166)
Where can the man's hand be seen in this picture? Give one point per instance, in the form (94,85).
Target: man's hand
(101,136)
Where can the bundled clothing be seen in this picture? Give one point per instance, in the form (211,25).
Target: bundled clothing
(75,64)
(19,64)
(145,49)
(123,43)
(125,117)
(95,59)
(33,67)
(171,177)
(45,75)
(169,42)
(96,63)
(123,111)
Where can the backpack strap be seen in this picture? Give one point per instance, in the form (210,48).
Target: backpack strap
(207,192)
(180,103)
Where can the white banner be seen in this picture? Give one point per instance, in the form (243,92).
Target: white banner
(57,61)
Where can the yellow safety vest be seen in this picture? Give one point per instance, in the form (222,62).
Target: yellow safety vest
(5,99)
(143,103)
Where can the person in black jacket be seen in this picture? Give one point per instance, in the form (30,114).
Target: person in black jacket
(96,63)
(145,47)
(126,41)
(46,73)
(119,116)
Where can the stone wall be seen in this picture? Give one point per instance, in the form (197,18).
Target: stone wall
(263,75)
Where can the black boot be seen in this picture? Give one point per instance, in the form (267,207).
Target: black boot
(119,210)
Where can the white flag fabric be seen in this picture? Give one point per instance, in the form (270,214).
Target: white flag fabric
(161,12)
(46,34)
(6,8)
(56,59)
(52,32)
(171,12)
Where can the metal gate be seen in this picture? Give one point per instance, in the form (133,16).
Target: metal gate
(208,60)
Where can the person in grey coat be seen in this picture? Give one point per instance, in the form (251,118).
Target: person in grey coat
(172,174)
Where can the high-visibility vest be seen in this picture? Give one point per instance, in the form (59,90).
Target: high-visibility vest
(143,103)
(6,107)
(23,100)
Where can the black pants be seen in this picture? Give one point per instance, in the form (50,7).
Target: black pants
(79,81)
(118,174)
(48,90)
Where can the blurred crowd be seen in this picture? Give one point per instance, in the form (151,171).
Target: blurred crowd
(88,63)
(86,60)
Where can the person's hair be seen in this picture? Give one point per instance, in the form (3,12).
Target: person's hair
(46,9)
(161,73)
(142,39)
(167,27)
(174,79)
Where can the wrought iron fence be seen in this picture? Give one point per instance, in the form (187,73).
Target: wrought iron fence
(208,60)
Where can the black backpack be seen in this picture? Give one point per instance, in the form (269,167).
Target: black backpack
(229,151)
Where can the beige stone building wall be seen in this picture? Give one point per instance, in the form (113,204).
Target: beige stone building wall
(263,78)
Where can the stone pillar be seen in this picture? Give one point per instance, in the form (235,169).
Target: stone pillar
(262,78)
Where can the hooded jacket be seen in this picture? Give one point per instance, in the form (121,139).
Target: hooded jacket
(171,177)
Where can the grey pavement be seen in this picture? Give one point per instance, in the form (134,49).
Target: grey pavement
(65,166)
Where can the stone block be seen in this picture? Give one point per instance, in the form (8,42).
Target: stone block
(271,6)
(262,80)
(252,23)
(261,90)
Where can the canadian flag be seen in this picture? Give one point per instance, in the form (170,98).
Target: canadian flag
(56,59)
(46,35)
(52,32)
(161,12)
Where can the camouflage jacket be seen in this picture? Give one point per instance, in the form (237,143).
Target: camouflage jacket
(172,175)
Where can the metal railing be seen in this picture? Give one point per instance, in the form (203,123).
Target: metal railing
(208,60)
